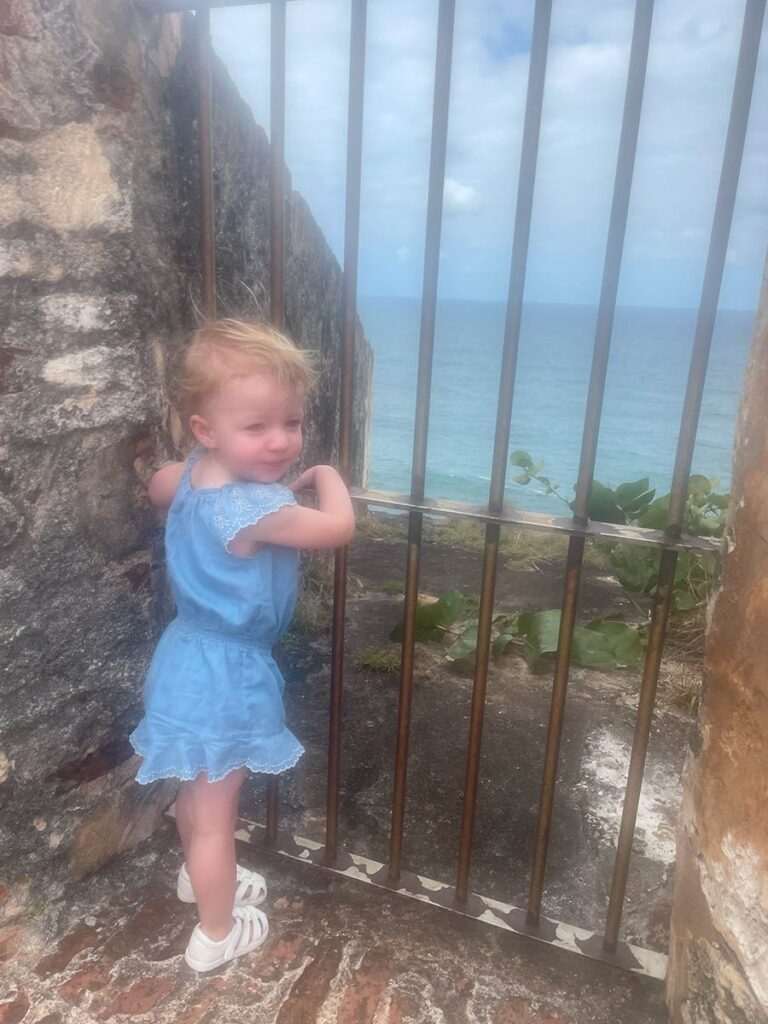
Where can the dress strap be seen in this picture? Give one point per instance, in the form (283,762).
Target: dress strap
(191,459)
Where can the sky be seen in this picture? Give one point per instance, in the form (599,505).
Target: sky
(693,50)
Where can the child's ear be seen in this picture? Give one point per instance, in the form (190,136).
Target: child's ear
(200,429)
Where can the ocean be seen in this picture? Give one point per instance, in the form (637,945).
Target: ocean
(647,373)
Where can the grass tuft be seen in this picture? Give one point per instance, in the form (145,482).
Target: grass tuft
(379,659)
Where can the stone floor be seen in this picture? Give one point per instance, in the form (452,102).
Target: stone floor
(110,947)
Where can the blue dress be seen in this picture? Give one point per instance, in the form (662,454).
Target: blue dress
(213,695)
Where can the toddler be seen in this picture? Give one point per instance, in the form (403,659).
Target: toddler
(213,695)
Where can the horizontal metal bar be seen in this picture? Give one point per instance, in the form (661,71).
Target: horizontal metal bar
(483,908)
(170,6)
(538,521)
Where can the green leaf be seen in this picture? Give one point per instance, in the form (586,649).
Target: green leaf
(429,615)
(699,485)
(506,623)
(522,479)
(634,498)
(423,633)
(453,603)
(521,458)
(591,649)
(541,631)
(655,516)
(624,641)
(466,644)
(603,505)
(683,600)
(636,568)
(502,641)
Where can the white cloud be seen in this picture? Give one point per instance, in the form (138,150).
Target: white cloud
(459,198)
(403,252)
(694,44)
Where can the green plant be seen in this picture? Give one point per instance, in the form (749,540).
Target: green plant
(602,643)
(637,568)
(379,659)
(434,617)
(396,587)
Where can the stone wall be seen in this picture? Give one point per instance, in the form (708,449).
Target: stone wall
(99,271)
(718,971)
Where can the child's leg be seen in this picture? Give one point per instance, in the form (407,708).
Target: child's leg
(184,817)
(211,859)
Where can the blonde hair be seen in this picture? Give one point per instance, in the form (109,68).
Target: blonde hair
(223,349)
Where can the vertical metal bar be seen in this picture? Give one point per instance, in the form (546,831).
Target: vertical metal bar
(277,146)
(555,725)
(638,61)
(516,288)
(204,132)
(718,244)
(418,471)
(656,636)
(349,318)
(729,176)
(630,125)
(277,249)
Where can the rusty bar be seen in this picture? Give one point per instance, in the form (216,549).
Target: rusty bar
(418,471)
(743,86)
(277,148)
(640,535)
(276,248)
(531,129)
(270,835)
(656,636)
(205,108)
(734,145)
(555,726)
(630,125)
(349,319)
(713,275)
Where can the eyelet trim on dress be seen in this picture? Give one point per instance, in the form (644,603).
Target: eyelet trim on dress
(244,508)
(180,773)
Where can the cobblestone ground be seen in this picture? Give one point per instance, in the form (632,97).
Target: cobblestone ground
(110,948)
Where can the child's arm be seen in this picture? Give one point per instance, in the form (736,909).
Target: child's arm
(293,526)
(164,483)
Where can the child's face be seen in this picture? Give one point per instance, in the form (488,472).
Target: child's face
(254,424)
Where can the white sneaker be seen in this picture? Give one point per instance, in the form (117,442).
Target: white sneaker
(246,880)
(249,931)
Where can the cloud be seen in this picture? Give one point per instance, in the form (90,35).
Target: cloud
(403,252)
(459,198)
(694,44)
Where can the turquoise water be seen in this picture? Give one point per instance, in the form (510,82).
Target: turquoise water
(647,374)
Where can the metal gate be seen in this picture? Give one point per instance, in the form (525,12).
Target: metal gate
(457,897)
